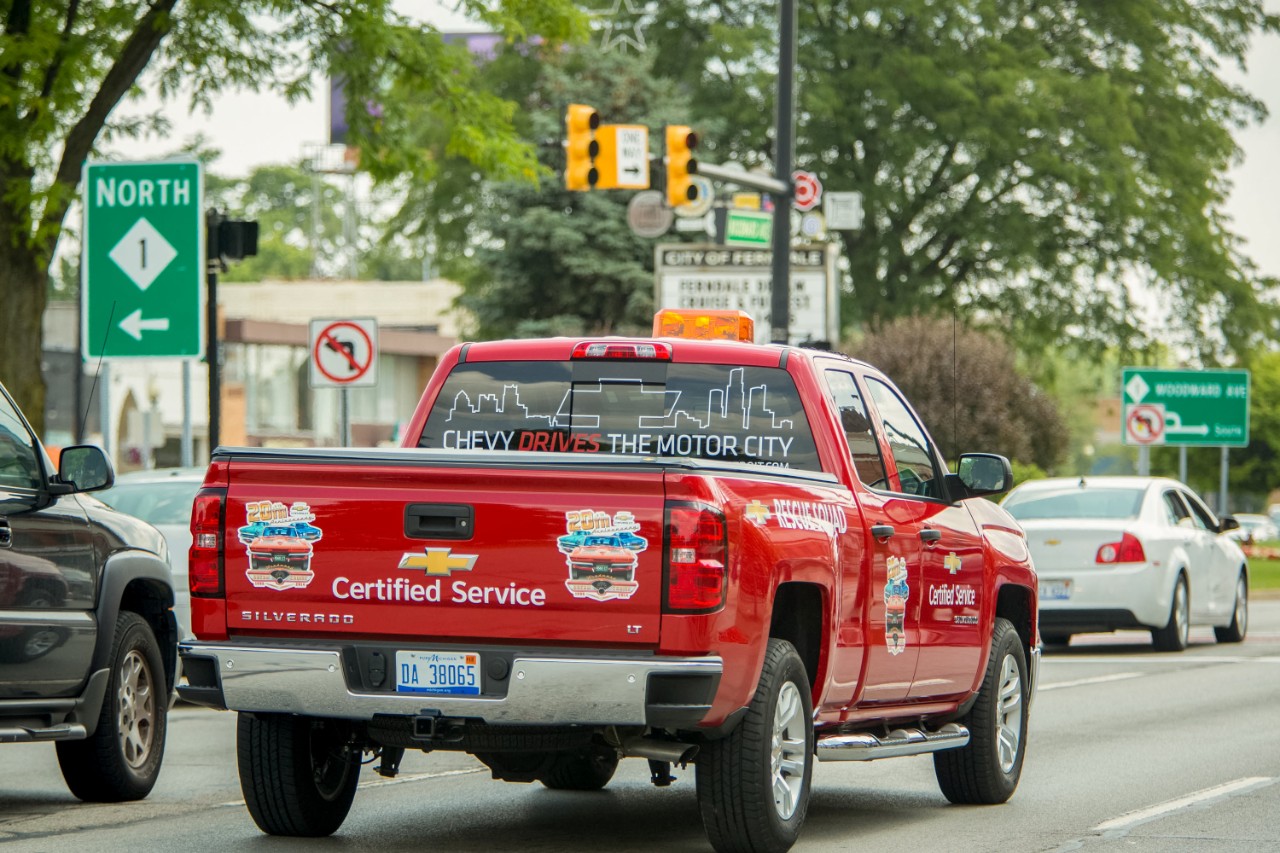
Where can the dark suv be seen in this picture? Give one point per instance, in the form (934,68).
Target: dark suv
(88,641)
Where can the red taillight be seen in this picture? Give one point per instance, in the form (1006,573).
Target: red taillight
(1127,550)
(608,349)
(696,557)
(205,560)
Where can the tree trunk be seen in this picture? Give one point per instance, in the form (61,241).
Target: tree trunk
(24,283)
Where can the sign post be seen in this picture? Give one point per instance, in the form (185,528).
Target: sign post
(143,261)
(344,354)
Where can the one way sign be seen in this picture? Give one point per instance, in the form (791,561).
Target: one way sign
(623,161)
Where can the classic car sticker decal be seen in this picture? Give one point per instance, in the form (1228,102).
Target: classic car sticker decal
(278,539)
(896,593)
(601,551)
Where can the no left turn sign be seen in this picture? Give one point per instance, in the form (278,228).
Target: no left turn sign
(344,353)
(1144,424)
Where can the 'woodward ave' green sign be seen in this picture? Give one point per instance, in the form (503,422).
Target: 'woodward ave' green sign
(143,260)
(1194,408)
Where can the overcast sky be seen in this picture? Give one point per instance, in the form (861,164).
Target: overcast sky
(251,130)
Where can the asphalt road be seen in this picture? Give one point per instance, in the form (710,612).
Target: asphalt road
(1129,751)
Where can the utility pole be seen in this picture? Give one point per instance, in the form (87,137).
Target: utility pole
(784,155)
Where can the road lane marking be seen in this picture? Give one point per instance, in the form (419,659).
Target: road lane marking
(1097,679)
(1131,819)
(1132,661)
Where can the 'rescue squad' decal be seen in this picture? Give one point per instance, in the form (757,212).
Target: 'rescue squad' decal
(601,552)
(278,538)
(896,593)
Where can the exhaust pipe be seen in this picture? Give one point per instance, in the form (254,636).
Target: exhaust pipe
(670,751)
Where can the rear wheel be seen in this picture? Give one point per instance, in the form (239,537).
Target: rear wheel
(121,759)
(587,770)
(1173,637)
(986,771)
(753,786)
(298,774)
(1234,633)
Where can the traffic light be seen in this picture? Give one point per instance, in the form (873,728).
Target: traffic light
(581,147)
(681,141)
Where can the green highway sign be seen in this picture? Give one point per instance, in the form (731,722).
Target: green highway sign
(744,227)
(1192,408)
(143,260)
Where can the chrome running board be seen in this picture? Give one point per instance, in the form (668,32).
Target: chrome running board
(867,747)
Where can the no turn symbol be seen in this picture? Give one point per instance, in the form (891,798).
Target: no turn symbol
(1144,424)
(343,352)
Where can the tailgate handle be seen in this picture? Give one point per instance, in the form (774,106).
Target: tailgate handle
(439,521)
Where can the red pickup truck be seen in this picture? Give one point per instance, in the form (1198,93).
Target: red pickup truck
(738,556)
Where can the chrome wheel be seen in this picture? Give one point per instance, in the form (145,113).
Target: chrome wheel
(1009,714)
(1242,607)
(790,730)
(136,709)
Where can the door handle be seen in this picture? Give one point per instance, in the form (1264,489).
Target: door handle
(930,535)
(882,531)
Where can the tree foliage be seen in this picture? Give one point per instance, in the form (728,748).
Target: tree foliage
(1044,163)
(65,67)
(967,389)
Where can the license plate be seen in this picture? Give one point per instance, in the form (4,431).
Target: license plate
(1055,590)
(279,558)
(451,673)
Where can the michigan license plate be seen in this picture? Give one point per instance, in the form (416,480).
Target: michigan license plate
(1055,590)
(449,673)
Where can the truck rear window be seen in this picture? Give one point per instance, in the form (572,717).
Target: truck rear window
(705,411)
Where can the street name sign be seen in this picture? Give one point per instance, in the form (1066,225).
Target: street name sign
(744,227)
(1185,408)
(692,275)
(143,260)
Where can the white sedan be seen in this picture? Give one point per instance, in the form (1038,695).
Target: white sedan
(1131,552)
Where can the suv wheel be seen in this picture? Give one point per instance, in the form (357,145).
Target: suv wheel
(121,759)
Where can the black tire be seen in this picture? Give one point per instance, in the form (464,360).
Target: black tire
(298,774)
(1234,633)
(587,770)
(754,801)
(1176,633)
(121,759)
(986,771)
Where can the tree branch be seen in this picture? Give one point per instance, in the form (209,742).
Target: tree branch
(51,73)
(133,58)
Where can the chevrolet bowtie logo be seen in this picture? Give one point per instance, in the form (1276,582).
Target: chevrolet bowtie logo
(439,562)
(951,563)
(757,512)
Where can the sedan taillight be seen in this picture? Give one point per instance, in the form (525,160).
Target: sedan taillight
(205,560)
(1127,550)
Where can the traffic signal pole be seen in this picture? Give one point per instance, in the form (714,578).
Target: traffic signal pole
(784,155)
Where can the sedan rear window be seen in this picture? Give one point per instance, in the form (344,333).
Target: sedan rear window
(706,411)
(1074,502)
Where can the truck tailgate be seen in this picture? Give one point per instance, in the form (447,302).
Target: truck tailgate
(526,555)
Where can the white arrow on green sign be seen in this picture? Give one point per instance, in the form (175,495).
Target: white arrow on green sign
(1195,408)
(143,260)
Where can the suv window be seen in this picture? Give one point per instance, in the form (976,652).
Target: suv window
(912,452)
(706,411)
(19,463)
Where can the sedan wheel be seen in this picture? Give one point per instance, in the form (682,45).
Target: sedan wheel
(1234,633)
(1173,637)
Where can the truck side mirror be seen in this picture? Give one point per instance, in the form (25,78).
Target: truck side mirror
(85,468)
(982,474)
